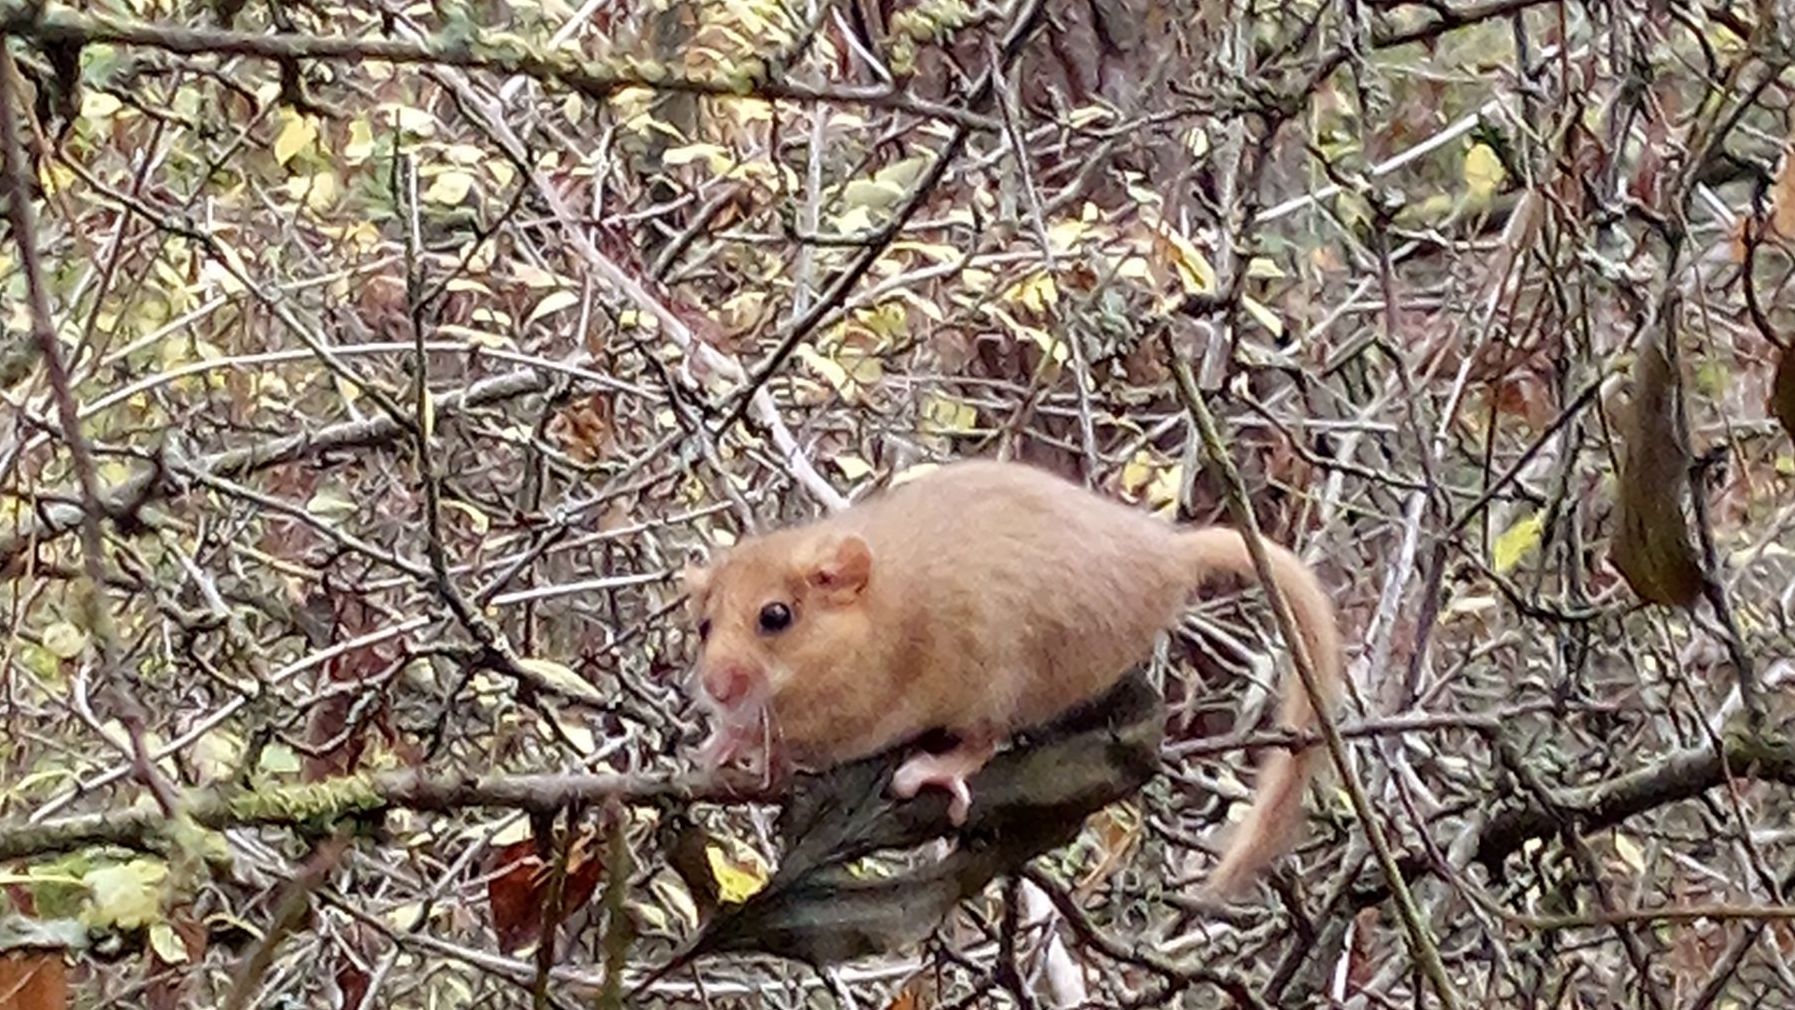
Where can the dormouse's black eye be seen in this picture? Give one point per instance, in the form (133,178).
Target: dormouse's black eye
(704,629)
(775,617)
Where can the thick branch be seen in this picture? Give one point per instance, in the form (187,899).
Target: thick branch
(361,795)
(1682,775)
(62,26)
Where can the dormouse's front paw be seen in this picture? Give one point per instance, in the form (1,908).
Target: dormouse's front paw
(725,744)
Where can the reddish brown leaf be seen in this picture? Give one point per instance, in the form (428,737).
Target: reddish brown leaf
(512,896)
(585,429)
(352,981)
(33,980)
(517,895)
(1652,548)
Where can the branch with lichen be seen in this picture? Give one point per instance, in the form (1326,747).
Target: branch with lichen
(363,795)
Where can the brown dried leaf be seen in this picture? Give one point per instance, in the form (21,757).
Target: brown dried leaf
(1782,391)
(33,980)
(1652,548)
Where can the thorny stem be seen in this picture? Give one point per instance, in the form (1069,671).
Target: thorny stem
(1421,941)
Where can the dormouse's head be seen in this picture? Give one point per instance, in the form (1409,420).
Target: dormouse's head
(775,609)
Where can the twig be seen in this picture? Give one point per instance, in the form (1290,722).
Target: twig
(1027,21)
(116,681)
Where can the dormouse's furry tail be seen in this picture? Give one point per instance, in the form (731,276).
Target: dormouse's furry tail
(1278,806)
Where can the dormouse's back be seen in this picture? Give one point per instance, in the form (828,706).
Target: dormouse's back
(1008,577)
(1001,519)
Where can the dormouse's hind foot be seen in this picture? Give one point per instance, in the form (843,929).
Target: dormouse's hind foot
(949,771)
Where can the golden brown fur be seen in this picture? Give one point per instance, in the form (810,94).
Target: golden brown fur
(981,598)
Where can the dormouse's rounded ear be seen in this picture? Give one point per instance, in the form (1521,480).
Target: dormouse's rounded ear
(698,571)
(841,566)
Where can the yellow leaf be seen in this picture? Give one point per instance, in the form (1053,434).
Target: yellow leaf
(479,338)
(1483,171)
(278,759)
(215,755)
(64,640)
(99,105)
(576,732)
(361,142)
(450,187)
(853,221)
(852,467)
(939,252)
(1192,266)
(976,280)
(296,134)
(1135,268)
(832,373)
(912,472)
(464,154)
(1515,543)
(124,895)
(1064,236)
(55,178)
(1056,348)
(871,194)
(1138,471)
(551,303)
(1629,852)
(331,503)
(564,679)
(1263,316)
(737,879)
(412,120)
(903,173)
(404,917)
(942,415)
(503,172)
(167,944)
(1196,141)
(318,191)
(1036,292)
(864,369)
(1265,268)
(531,276)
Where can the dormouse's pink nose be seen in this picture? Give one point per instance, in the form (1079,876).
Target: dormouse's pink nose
(728,684)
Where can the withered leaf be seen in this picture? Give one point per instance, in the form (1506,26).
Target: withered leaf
(1782,391)
(34,980)
(1652,548)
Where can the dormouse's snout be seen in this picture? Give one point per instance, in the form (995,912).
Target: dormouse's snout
(728,684)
